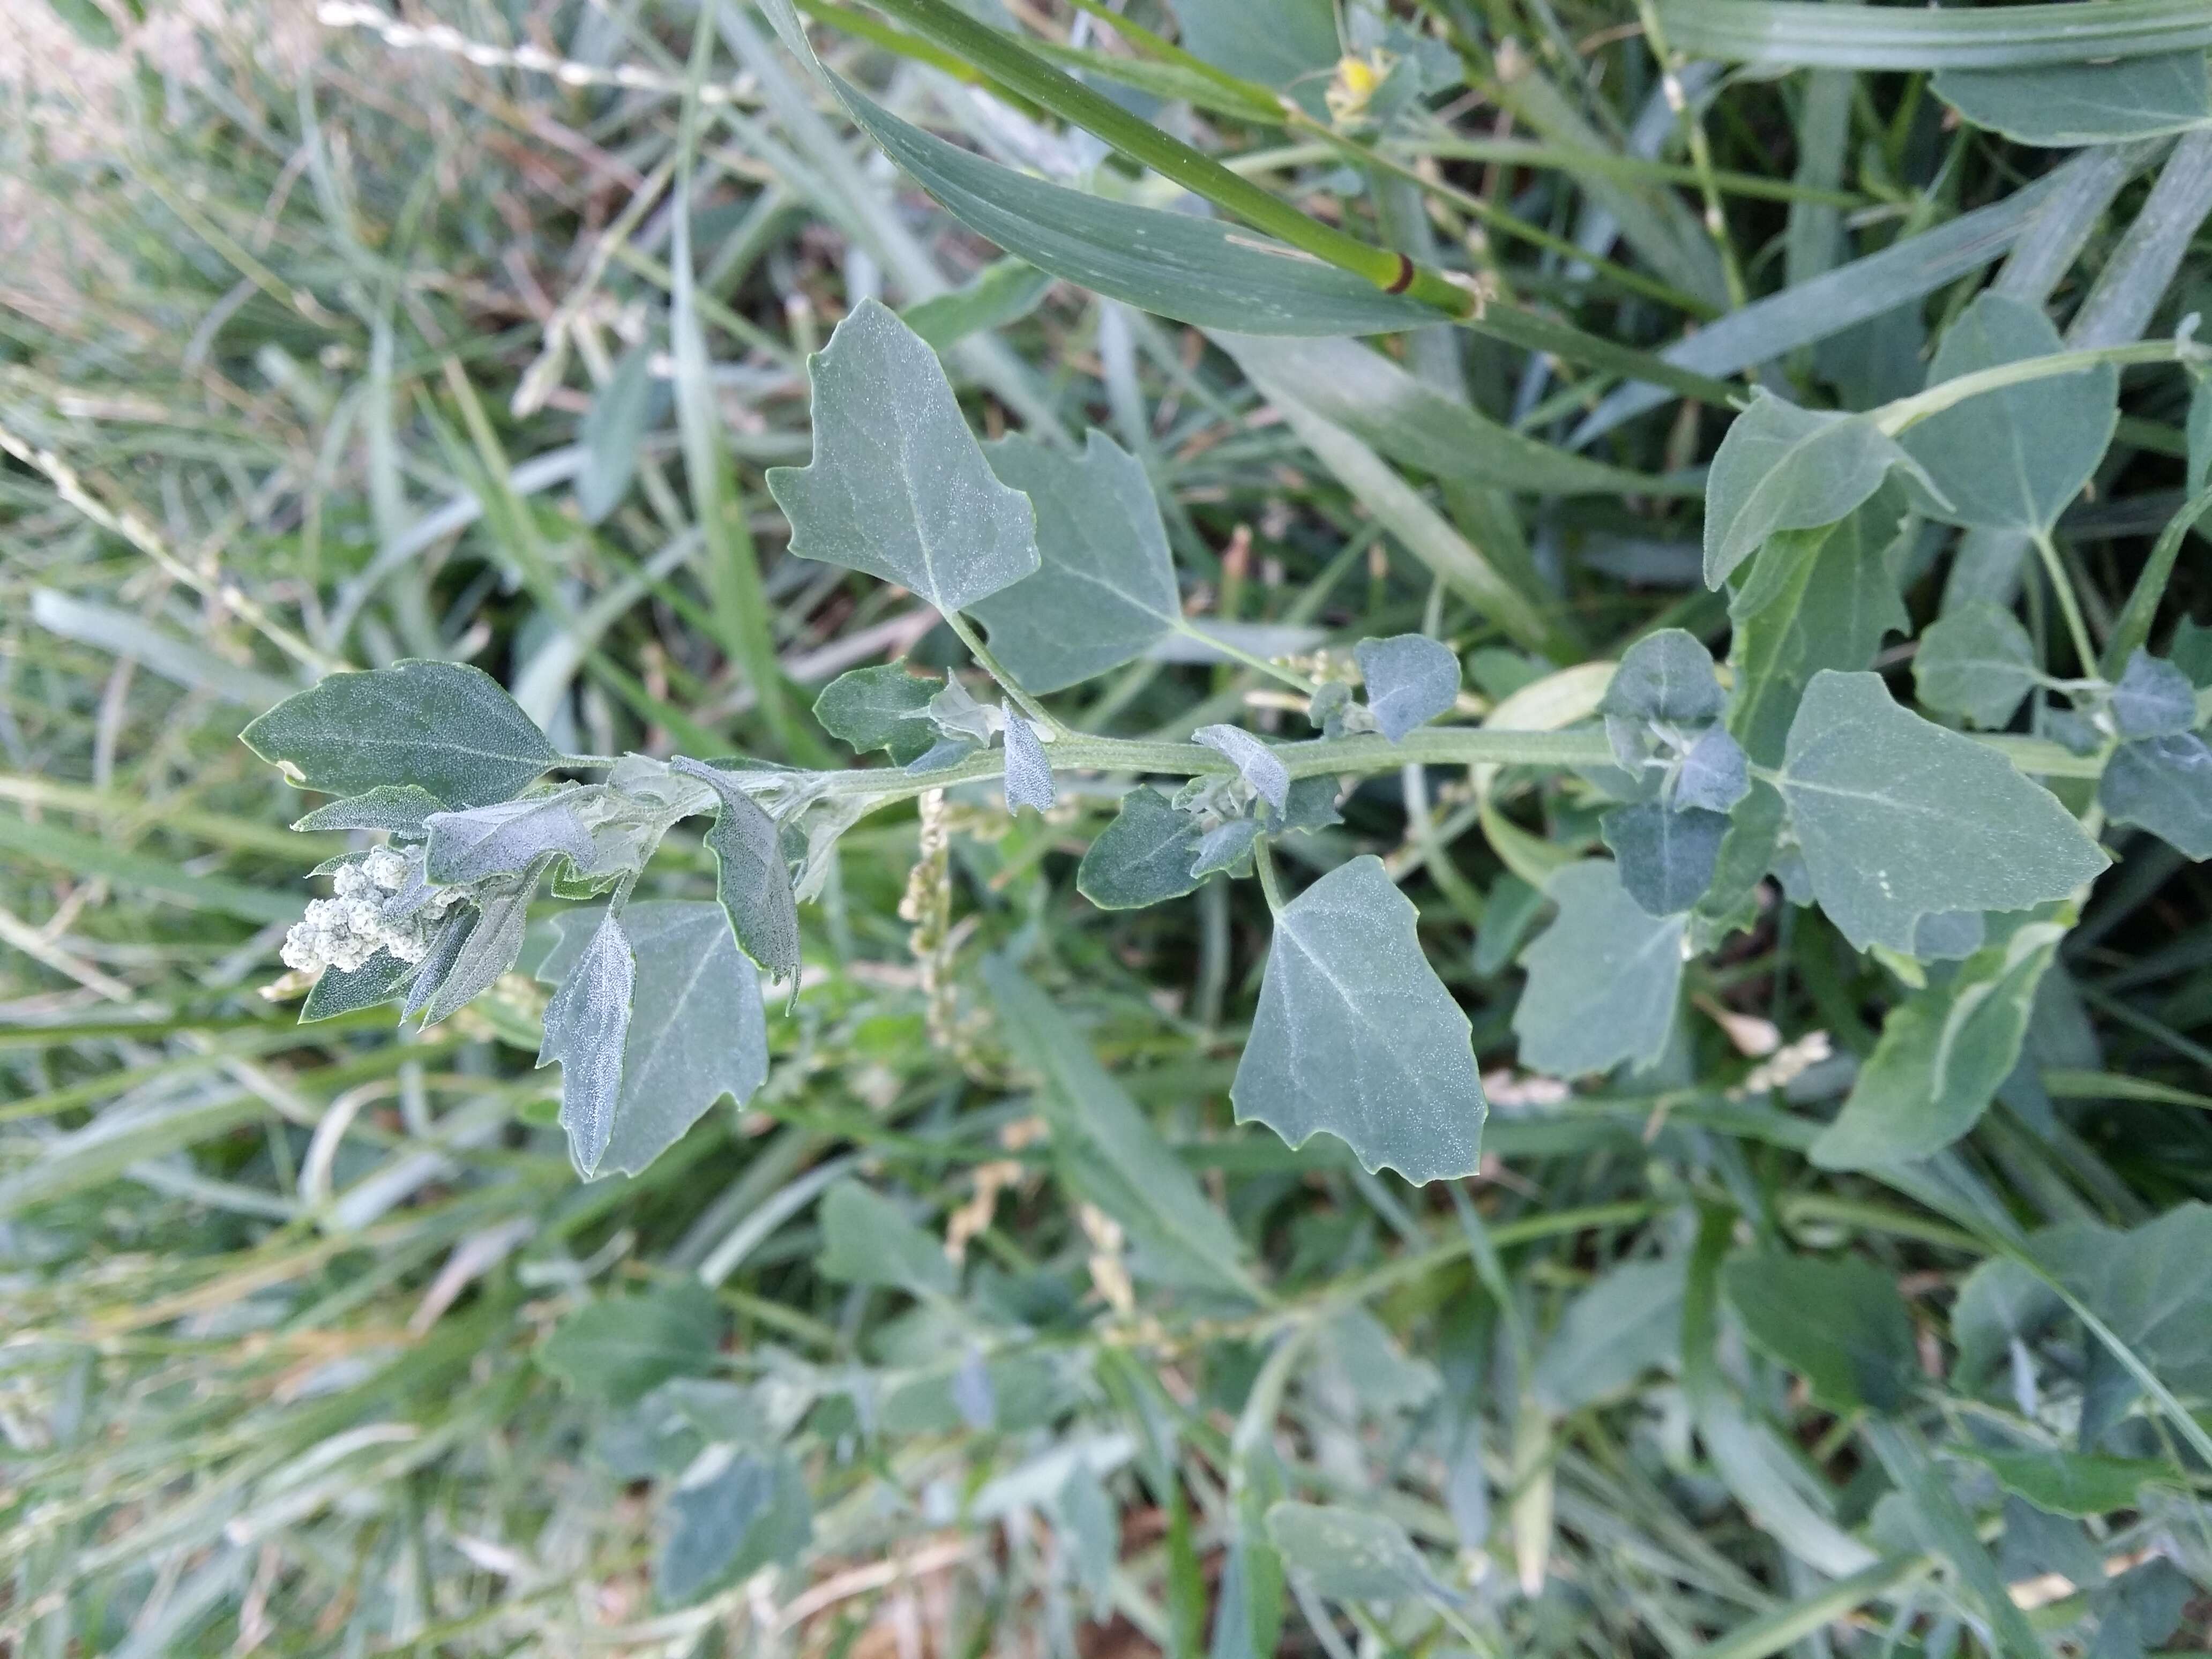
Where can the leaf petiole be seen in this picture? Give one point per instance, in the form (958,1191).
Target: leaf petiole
(991,666)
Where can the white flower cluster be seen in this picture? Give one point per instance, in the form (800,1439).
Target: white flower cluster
(345,931)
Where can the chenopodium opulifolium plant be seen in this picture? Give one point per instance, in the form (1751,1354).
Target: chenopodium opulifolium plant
(1923,843)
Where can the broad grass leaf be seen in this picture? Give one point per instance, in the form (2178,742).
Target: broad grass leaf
(752,1512)
(898,487)
(1781,467)
(1942,1053)
(1104,592)
(1603,978)
(613,430)
(1348,1555)
(1109,1152)
(1004,291)
(335,992)
(881,708)
(2153,699)
(1355,1037)
(2063,105)
(750,875)
(1839,1325)
(505,837)
(1029,769)
(443,726)
(1413,424)
(1976,660)
(2163,785)
(697,1031)
(1143,857)
(1196,271)
(1899,817)
(1258,764)
(1625,1323)
(2011,459)
(1411,679)
(867,1240)
(618,1350)
(1666,857)
(587,1021)
(400,808)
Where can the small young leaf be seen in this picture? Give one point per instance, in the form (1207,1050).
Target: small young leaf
(613,430)
(1666,857)
(1356,1036)
(1349,1556)
(750,875)
(2063,105)
(2163,785)
(956,714)
(898,487)
(1976,660)
(1260,765)
(380,979)
(1665,676)
(696,1033)
(750,1513)
(867,1240)
(619,1350)
(485,951)
(1839,1325)
(2010,460)
(446,947)
(1411,679)
(1942,1053)
(1029,769)
(1899,817)
(400,808)
(2153,699)
(1781,467)
(442,726)
(1226,847)
(1311,804)
(1602,979)
(1105,591)
(882,707)
(1715,775)
(505,837)
(1143,857)
(586,1020)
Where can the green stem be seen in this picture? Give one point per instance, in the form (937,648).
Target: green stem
(1236,653)
(1263,861)
(1022,700)
(1894,417)
(2069,605)
(2132,631)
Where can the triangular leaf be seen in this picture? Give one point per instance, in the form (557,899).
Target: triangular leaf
(586,1020)
(752,1512)
(2153,699)
(1143,857)
(750,875)
(1839,1325)
(1975,660)
(1666,857)
(398,807)
(1603,978)
(505,837)
(881,708)
(1411,679)
(2163,785)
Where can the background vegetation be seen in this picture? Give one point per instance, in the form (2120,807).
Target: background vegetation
(325,344)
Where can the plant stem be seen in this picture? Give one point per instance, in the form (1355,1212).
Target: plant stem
(1263,861)
(991,666)
(2069,605)
(2133,628)
(1895,417)
(1236,653)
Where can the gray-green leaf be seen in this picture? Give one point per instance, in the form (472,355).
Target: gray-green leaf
(1411,679)
(898,486)
(1347,1555)
(867,1240)
(1976,660)
(1785,468)
(1603,978)
(1029,769)
(1357,1037)
(1627,1322)
(621,1349)
(505,837)
(2153,699)
(696,1030)
(586,1020)
(2066,105)
(1004,291)
(443,726)
(1715,774)
(1839,1325)
(2011,459)
(1259,766)
(1942,1053)
(1105,590)
(750,875)
(1226,847)
(483,953)
(398,807)
(1667,857)
(1899,817)
(752,1511)
(336,992)
(1143,857)
(2163,785)
(882,707)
